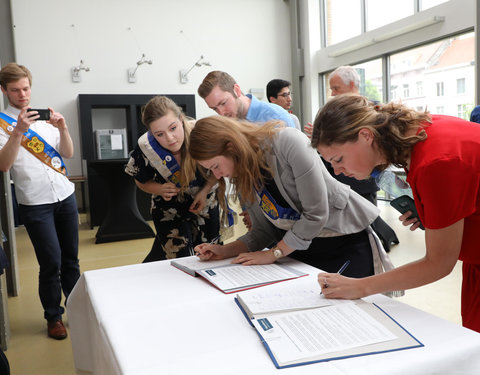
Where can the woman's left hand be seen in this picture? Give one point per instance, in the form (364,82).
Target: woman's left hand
(255,257)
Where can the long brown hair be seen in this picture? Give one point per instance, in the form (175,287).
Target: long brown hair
(396,127)
(243,142)
(160,106)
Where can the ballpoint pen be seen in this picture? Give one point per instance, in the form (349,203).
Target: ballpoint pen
(215,239)
(342,268)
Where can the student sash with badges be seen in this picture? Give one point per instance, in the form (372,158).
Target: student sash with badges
(281,217)
(36,145)
(162,160)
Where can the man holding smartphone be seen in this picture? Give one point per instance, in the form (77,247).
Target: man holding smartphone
(32,150)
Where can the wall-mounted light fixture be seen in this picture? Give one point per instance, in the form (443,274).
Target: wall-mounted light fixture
(132,78)
(389,35)
(76,77)
(184,73)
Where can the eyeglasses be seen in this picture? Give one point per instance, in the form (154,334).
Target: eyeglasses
(285,94)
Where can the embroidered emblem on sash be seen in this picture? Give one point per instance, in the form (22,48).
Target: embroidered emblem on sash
(273,210)
(269,207)
(36,145)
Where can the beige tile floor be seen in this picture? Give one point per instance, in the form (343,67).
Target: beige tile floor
(31,352)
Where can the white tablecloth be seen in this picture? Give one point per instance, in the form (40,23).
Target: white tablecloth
(155,319)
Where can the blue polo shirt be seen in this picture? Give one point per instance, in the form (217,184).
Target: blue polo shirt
(262,112)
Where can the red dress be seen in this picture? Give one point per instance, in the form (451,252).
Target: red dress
(445,178)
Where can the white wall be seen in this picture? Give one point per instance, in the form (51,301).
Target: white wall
(250,39)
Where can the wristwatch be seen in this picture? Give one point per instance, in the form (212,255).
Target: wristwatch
(277,253)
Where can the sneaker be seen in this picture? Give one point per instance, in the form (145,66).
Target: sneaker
(56,329)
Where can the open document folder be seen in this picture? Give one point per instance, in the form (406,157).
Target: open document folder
(298,326)
(231,278)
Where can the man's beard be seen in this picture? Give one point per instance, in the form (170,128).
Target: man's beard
(241,113)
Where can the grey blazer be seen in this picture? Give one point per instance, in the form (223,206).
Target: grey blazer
(327,207)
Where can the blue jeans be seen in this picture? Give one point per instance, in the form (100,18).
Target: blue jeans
(53,230)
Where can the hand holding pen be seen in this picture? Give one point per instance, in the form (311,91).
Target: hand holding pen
(339,272)
(205,252)
(337,286)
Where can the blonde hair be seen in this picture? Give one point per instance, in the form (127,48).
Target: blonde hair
(160,106)
(392,125)
(241,141)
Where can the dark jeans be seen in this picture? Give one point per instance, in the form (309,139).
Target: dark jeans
(53,230)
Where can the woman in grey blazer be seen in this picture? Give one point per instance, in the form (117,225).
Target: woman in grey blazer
(295,205)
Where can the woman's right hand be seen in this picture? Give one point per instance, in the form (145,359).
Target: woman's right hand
(167,190)
(208,251)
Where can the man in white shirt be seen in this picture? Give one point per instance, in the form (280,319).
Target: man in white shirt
(32,150)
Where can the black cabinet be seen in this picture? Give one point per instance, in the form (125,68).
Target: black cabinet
(100,112)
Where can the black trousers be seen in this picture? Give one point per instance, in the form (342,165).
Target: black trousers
(330,253)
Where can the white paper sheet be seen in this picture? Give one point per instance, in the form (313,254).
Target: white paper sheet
(116,141)
(238,276)
(305,334)
(288,297)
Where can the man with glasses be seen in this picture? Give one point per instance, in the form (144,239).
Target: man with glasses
(278,92)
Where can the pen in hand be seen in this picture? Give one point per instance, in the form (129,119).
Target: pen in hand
(342,268)
(215,240)
(340,271)
(212,242)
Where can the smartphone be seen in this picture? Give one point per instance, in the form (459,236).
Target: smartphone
(43,113)
(405,203)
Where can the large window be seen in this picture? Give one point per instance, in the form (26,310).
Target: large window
(342,20)
(370,80)
(425,4)
(383,12)
(439,71)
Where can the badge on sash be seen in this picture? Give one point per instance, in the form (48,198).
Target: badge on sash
(273,210)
